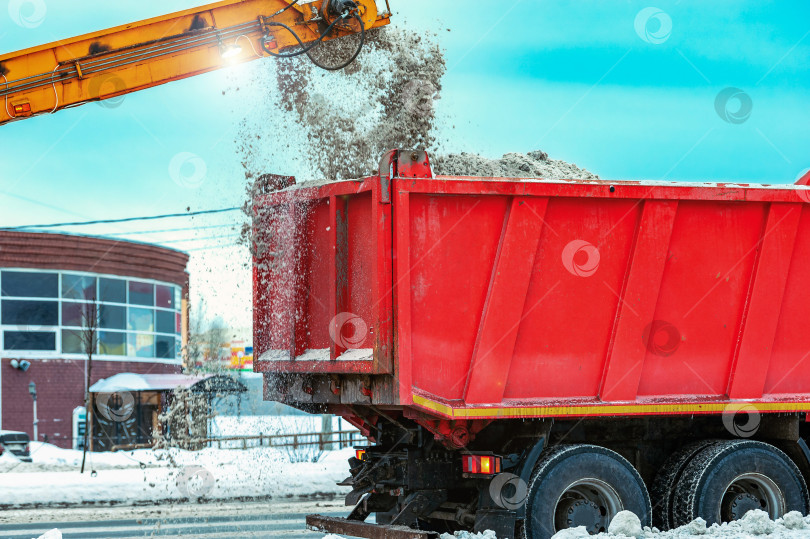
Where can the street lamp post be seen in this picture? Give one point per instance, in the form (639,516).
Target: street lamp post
(32,389)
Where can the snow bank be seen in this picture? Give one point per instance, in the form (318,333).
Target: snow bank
(625,524)
(146,476)
(753,524)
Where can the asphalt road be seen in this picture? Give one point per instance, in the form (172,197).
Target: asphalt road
(209,521)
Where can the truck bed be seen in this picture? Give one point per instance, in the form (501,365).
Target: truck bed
(476,298)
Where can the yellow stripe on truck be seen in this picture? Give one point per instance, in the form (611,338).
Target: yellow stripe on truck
(604,409)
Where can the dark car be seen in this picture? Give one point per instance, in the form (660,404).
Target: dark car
(17,443)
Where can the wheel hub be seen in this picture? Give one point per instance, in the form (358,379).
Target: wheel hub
(739,505)
(752,491)
(573,513)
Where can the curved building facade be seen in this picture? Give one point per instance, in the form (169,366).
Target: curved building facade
(61,293)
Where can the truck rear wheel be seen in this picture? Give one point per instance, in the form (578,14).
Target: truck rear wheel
(582,485)
(662,492)
(727,479)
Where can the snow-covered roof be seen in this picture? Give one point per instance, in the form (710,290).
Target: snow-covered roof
(127,381)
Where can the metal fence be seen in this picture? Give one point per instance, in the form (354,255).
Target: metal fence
(325,441)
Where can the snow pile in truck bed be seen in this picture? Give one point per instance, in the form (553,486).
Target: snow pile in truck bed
(512,165)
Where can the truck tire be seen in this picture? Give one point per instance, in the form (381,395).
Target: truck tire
(662,492)
(727,479)
(582,485)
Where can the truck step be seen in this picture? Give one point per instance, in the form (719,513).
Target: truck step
(342,526)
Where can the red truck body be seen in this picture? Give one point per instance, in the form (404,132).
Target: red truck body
(595,345)
(499,297)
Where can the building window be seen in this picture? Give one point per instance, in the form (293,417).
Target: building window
(73,342)
(112,344)
(165,322)
(112,290)
(141,345)
(164,297)
(164,346)
(76,314)
(141,319)
(44,312)
(29,285)
(29,340)
(141,293)
(112,317)
(78,287)
(29,313)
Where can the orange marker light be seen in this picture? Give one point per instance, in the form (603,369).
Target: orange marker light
(22,108)
(481,464)
(361,454)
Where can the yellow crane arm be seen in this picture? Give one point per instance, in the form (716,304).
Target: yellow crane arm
(155,51)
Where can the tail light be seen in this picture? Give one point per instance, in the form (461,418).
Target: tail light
(27,448)
(481,464)
(360,454)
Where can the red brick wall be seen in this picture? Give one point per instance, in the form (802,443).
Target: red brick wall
(60,388)
(95,255)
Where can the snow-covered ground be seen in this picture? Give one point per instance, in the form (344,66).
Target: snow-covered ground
(146,476)
(626,525)
(142,476)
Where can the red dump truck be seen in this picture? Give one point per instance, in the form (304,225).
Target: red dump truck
(528,355)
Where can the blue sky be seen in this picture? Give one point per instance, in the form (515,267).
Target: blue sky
(582,80)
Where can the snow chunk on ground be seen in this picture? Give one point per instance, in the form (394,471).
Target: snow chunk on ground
(626,523)
(755,522)
(792,521)
(51,534)
(572,533)
(489,534)
(696,527)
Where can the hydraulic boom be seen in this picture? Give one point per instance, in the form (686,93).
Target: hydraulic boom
(135,56)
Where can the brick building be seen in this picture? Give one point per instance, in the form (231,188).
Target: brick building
(48,285)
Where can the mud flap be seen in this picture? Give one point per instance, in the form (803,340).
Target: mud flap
(342,526)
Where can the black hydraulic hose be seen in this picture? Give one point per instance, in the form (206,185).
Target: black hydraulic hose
(354,56)
(306,48)
(280,11)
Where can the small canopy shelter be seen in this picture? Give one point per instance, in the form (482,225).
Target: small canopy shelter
(126,408)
